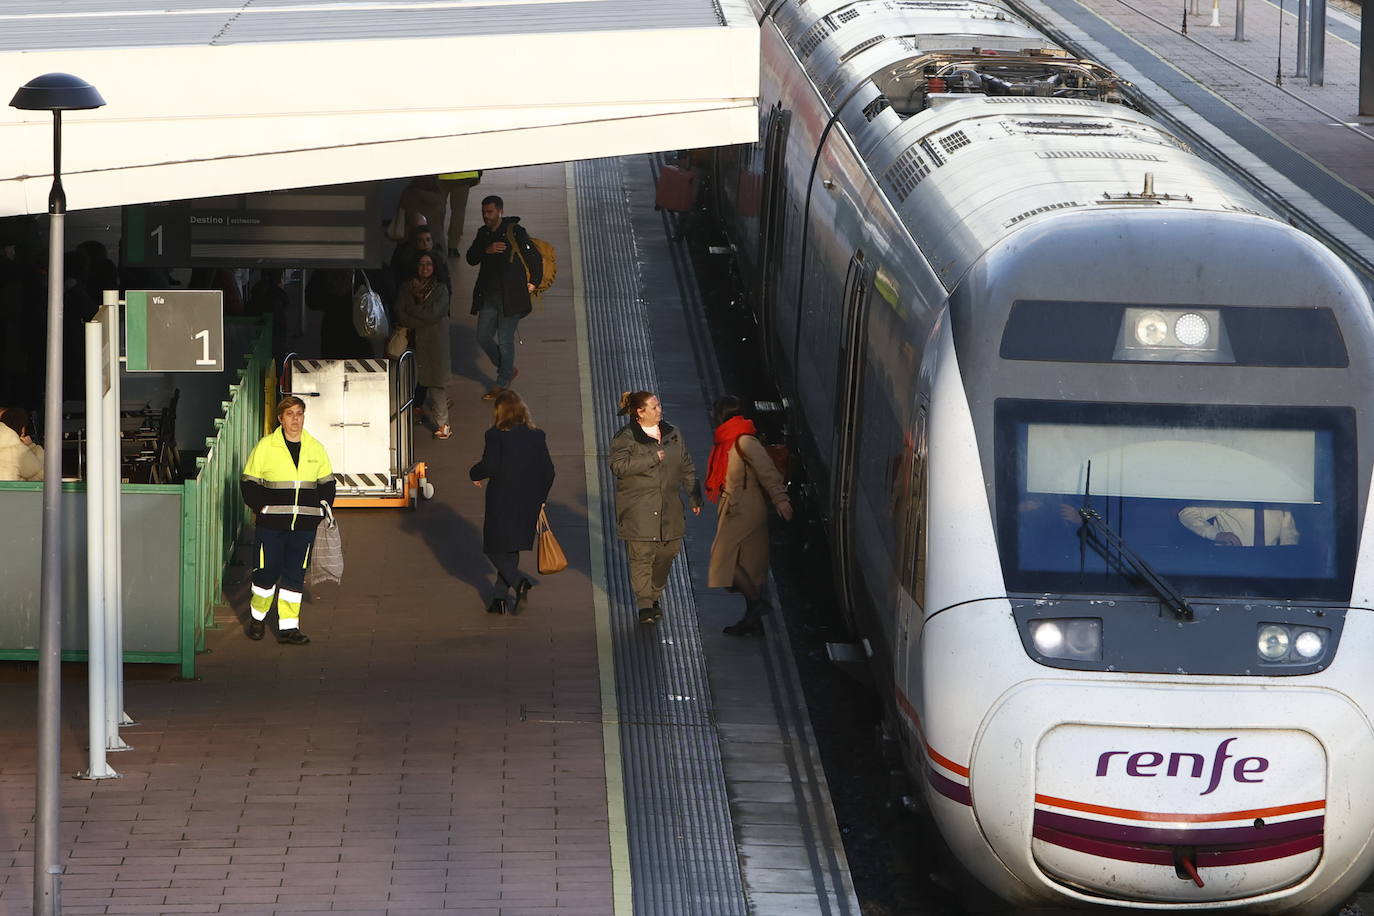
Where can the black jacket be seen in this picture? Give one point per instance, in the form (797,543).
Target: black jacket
(505,268)
(517,462)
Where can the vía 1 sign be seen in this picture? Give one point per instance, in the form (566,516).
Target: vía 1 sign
(174,330)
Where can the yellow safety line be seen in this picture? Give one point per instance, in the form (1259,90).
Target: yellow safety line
(605,655)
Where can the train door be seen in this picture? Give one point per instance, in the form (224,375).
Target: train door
(848,428)
(911,554)
(772,226)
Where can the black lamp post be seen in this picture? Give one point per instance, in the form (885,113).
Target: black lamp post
(55,92)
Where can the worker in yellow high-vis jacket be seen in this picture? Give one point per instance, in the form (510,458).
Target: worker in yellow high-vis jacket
(287,479)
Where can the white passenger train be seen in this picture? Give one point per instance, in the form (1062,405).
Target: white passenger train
(1091,427)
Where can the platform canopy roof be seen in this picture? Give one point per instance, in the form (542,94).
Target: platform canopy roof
(211,97)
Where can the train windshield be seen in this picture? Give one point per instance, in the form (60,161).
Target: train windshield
(1223,501)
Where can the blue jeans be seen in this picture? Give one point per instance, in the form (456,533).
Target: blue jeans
(496,336)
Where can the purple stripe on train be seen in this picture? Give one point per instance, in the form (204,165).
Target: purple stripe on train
(1163,855)
(1191,836)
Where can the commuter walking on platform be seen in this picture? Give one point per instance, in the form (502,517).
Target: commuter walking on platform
(738,476)
(652,467)
(422,304)
(516,461)
(511,268)
(287,482)
(403,257)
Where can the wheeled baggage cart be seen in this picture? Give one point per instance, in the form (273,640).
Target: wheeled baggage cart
(361,411)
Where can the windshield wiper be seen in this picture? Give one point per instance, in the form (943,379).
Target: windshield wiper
(1107,540)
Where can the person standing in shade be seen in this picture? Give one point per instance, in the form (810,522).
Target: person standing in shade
(456,185)
(516,461)
(652,468)
(330,292)
(20,457)
(287,482)
(738,476)
(422,304)
(510,269)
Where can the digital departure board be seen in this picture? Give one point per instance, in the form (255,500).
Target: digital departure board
(337,226)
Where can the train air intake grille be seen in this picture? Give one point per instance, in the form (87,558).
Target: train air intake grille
(1045,209)
(955,141)
(812,39)
(906,173)
(1097,154)
(1035,100)
(862,47)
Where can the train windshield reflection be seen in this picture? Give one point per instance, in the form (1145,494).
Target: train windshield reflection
(1222,501)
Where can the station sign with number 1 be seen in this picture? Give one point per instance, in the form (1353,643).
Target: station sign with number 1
(174,330)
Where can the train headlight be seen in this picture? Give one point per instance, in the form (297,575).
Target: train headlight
(1078,638)
(1191,329)
(1158,334)
(1282,643)
(1048,636)
(1151,329)
(1309,644)
(1274,641)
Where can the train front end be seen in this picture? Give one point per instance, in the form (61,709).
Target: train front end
(1144,675)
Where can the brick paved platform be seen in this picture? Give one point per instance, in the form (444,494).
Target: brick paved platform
(419,755)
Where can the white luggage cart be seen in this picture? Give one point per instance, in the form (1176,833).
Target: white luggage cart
(361,411)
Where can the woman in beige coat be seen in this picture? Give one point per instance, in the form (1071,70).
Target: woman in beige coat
(739,476)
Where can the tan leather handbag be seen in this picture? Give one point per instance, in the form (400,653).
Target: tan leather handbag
(551,557)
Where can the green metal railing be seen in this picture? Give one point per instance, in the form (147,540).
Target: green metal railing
(213,512)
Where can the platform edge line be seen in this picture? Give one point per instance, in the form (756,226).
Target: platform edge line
(618,821)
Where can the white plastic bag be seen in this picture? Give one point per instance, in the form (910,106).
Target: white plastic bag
(326,556)
(369,312)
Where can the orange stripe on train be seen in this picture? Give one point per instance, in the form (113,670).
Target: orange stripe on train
(1180,818)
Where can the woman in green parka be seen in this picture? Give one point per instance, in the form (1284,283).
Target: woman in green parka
(653,469)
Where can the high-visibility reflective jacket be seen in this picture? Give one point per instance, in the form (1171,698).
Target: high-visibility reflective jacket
(285,496)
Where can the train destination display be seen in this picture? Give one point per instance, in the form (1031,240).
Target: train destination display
(338,226)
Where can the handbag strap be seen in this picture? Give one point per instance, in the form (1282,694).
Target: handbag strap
(543,523)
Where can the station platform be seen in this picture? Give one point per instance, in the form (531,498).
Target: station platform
(421,755)
(1304,147)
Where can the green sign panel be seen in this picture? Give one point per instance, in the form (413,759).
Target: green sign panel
(336,226)
(174,330)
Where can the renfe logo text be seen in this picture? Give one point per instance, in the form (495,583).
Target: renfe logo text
(1149,764)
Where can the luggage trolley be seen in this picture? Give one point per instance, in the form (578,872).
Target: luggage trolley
(361,411)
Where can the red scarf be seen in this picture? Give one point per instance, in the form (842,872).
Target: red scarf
(726,434)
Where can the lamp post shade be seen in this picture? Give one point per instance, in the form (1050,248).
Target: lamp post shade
(57,92)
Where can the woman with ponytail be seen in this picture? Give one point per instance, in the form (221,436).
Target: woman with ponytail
(653,469)
(738,476)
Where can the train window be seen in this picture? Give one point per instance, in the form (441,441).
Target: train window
(1222,501)
(1102,332)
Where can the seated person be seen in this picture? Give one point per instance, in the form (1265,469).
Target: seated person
(20,458)
(1234,525)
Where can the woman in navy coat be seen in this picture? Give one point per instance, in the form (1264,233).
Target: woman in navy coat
(516,461)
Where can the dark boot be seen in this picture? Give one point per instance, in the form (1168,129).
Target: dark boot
(751,623)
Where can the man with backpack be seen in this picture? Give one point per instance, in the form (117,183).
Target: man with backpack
(511,269)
